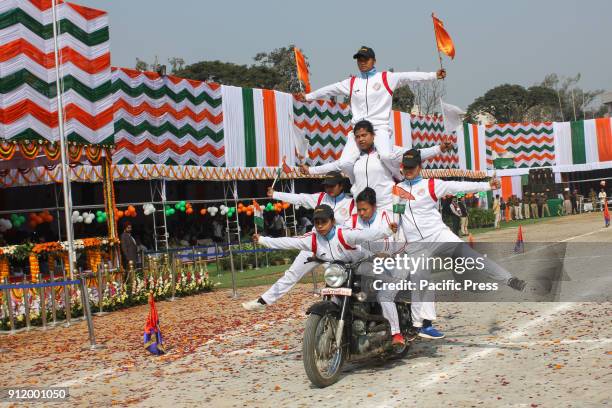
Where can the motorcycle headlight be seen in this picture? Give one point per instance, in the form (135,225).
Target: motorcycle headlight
(335,275)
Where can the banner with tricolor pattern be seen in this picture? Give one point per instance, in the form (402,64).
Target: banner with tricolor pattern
(400,126)
(325,125)
(428,131)
(583,145)
(471,147)
(527,144)
(258,125)
(28,94)
(166,120)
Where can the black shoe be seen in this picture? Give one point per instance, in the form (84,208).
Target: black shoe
(517,284)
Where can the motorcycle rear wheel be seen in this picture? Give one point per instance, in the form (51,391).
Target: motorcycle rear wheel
(323,361)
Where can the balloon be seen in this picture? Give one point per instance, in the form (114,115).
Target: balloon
(285,205)
(119,214)
(189,211)
(80,219)
(203,211)
(249,212)
(5,224)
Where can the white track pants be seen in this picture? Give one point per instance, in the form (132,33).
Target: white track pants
(298,269)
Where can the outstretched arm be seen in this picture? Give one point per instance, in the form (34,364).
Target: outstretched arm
(302,243)
(426,153)
(443,188)
(305,200)
(397,79)
(356,237)
(341,88)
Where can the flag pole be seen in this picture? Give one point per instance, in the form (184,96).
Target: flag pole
(301,85)
(436,38)
(63,149)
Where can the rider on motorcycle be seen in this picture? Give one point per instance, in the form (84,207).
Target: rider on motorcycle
(330,242)
(369,216)
(343,206)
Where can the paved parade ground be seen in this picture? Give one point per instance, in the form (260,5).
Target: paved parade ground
(553,354)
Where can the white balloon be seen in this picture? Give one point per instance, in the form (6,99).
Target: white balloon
(80,218)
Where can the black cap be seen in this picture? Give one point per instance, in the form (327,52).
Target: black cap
(323,212)
(332,178)
(364,51)
(412,158)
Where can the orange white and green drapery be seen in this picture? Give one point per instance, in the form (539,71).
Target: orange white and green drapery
(583,145)
(258,126)
(471,147)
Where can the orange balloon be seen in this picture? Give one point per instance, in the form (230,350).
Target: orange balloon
(189,211)
(37,219)
(203,211)
(249,213)
(49,218)
(32,224)
(119,214)
(285,205)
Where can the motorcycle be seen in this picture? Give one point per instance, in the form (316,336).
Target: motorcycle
(346,327)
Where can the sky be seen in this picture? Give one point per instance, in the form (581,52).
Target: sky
(517,42)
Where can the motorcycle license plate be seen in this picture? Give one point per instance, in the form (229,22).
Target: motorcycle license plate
(337,291)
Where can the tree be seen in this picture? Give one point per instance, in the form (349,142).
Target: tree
(554,99)
(507,103)
(176,63)
(427,95)
(570,97)
(141,65)
(403,98)
(282,62)
(231,74)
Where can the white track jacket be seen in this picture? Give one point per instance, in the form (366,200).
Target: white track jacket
(340,244)
(380,220)
(372,95)
(343,205)
(369,171)
(421,221)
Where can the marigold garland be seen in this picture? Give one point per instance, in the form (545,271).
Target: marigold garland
(34,268)
(4,268)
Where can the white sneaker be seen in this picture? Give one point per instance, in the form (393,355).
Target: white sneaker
(253,305)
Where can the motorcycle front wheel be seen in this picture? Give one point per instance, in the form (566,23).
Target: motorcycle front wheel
(322,359)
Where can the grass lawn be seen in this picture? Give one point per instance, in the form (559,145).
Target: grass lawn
(253,277)
(510,224)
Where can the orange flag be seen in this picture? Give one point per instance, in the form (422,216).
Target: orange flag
(302,69)
(445,43)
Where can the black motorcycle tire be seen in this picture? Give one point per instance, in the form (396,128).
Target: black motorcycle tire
(309,357)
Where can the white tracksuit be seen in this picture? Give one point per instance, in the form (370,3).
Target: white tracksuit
(343,206)
(422,223)
(388,246)
(340,244)
(371,99)
(369,171)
